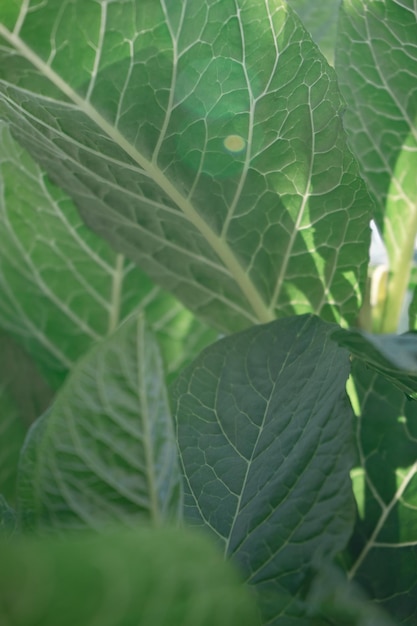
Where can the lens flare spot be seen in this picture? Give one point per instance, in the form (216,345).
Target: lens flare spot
(234,143)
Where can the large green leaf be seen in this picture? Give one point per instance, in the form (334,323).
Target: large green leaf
(146,577)
(320,19)
(203,139)
(264,430)
(376,63)
(383,550)
(105,451)
(61,287)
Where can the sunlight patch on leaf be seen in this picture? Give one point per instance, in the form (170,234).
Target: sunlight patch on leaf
(205,142)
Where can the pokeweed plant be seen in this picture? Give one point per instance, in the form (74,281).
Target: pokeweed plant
(173,171)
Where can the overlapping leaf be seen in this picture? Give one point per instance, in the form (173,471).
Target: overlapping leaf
(337,601)
(24,396)
(264,429)
(376,64)
(203,139)
(393,356)
(120,579)
(383,549)
(320,19)
(105,451)
(61,287)
(7,517)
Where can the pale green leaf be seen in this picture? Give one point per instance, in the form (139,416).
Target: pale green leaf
(264,430)
(105,451)
(376,63)
(204,140)
(61,287)
(145,577)
(383,549)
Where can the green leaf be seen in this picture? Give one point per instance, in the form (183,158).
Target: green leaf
(204,140)
(61,287)
(376,64)
(383,549)
(264,430)
(105,451)
(24,396)
(332,598)
(146,577)
(12,435)
(320,19)
(7,517)
(393,356)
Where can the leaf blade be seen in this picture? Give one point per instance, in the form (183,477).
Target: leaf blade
(376,64)
(256,452)
(105,450)
(386,528)
(63,288)
(201,223)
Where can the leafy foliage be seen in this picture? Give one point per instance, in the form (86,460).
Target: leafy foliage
(167,149)
(169,171)
(385,482)
(393,356)
(105,452)
(253,418)
(94,579)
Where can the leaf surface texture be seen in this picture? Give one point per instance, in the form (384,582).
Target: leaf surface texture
(203,140)
(105,451)
(265,444)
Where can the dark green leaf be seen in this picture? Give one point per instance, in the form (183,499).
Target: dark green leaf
(393,356)
(7,517)
(204,140)
(332,598)
(24,396)
(105,451)
(146,577)
(264,429)
(383,549)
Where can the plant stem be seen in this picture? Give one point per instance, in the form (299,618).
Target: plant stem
(398,281)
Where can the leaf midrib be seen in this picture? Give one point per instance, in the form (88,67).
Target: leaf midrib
(217,243)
